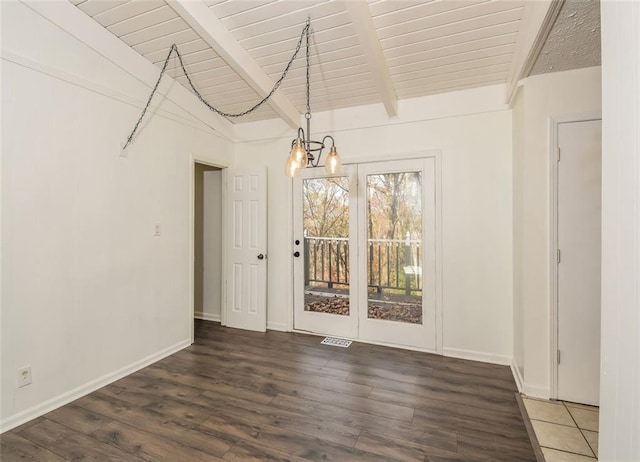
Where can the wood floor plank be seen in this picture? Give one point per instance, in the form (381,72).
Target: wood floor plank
(243,451)
(499,449)
(241,396)
(148,446)
(293,361)
(72,445)
(244,387)
(355,403)
(166,426)
(78,419)
(424,386)
(426,398)
(288,442)
(14,448)
(221,381)
(489,380)
(360,421)
(312,425)
(400,450)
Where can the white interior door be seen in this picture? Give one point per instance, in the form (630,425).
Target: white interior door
(579,242)
(397,250)
(246,299)
(325,257)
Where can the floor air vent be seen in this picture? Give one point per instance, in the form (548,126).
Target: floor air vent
(339,342)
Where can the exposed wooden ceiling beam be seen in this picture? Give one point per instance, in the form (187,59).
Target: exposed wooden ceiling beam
(363,24)
(198,15)
(537,20)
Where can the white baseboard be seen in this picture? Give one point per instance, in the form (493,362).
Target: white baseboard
(536,392)
(281,326)
(207,317)
(516,376)
(65,398)
(477,356)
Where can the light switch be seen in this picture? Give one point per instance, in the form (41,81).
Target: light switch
(157,230)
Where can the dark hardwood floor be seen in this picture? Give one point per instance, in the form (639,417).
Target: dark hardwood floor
(240,396)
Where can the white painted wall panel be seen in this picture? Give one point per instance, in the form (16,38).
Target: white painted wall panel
(620,374)
(80,264)
(544,96)
(212,245)
(476,194)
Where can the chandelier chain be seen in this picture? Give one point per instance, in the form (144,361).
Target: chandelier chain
(276,85)
(308,80)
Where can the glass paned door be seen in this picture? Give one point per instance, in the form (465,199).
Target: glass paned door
(324,217)
(394,246)
(364,252)
(397,252)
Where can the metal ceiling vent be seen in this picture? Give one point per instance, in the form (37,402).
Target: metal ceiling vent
(339,342)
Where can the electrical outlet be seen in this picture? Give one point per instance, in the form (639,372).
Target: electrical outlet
(24,376)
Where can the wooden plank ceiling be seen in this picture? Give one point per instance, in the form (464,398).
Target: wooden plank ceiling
(427,47)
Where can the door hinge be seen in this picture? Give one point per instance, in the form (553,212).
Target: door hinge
(558,356)
(558,154)
(558,256)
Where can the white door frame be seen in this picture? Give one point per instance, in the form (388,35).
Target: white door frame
(436,154)
(193,160)
(554,122)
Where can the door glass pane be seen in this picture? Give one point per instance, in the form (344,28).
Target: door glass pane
(394,250)
(326,245)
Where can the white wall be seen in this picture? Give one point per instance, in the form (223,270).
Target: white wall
(620,365)
(212,246)
(472,129)
(207,268)
(518,230)
(543,96)
(88,293)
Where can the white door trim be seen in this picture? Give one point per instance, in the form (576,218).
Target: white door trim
(193,160)
(554,122)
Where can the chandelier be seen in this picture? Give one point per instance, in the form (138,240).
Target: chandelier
(305,151)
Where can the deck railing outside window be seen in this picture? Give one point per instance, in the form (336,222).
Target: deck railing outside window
(394,264)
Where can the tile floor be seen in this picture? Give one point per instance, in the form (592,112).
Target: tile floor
(567,432)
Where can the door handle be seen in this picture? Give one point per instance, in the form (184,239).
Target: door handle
(296,254)
(260,257)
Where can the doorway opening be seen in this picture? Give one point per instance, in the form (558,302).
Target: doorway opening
(365,250)
(207,261)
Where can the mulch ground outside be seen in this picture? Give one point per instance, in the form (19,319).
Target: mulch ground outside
(378,309)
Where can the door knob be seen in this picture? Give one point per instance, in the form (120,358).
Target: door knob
(296,254)
(260,257)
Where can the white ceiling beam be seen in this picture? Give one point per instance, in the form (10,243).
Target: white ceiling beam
(537,20)
(75,22)
(198,15)
(365,30)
